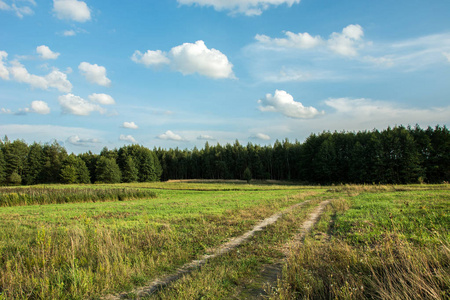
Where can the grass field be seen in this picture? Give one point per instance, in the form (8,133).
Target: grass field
(365,239)
(86,250)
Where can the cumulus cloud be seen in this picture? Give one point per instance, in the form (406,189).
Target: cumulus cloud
(246,7)
(169,135)
(127,138)
(77,141)
(20,11)
(39,107)
(347,42)
(56,79)
(150,58)
(130,125)
(46,53)
(284,103)
(94,73)
(260,136)
(190,58)
(103,99)
(71,10)
(292,40)
(76,105)
(4,73)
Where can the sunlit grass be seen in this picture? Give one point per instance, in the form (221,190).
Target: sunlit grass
(85,250)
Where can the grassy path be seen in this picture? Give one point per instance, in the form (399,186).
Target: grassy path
(225,248)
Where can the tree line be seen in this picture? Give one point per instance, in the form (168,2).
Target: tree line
(394,155)
(50,163)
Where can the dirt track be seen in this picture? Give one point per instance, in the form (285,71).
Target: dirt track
(189,267)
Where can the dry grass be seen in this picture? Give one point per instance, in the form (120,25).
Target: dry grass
(402,262)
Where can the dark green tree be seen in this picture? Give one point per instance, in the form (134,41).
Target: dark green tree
(129,171)
(247,175)
(107,170)
(34,164)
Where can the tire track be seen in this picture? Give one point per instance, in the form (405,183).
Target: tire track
(187,268)
(271,273)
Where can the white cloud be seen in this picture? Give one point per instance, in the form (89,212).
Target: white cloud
(169,135)
(150,58)
(130,125)
(190,58)
(69,33)
(205,137)
(46,53)
(4,73)
(76,105)
(56,79)
(447,55)
(19,11)
(103,99)
(94,73)
(40,107)
(127,138)
(284,103)
(260,136)
(71,10)
(347,42)
(293,40)
(247,7)
(77,141)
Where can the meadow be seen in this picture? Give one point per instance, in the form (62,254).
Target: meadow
(371,242)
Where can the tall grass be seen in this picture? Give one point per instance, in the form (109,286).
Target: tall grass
(88,250)
(374,251)
(40,196)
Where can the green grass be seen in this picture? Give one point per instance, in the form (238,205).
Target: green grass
(40,195)
(86,250)
(384,243)
(374,242)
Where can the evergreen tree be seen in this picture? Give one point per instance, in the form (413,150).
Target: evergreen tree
(129,171)
(2,166)
(247,175)
(34,164)
(107,170)
(53,157)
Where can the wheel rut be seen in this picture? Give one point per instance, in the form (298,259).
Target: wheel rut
(272,271)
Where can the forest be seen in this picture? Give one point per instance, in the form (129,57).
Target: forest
(395,155)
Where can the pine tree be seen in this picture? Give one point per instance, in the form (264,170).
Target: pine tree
(107,170)
(129,171)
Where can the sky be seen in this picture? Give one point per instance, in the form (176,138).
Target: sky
(179,73)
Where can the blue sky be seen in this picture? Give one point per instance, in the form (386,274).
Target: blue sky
(178,73)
